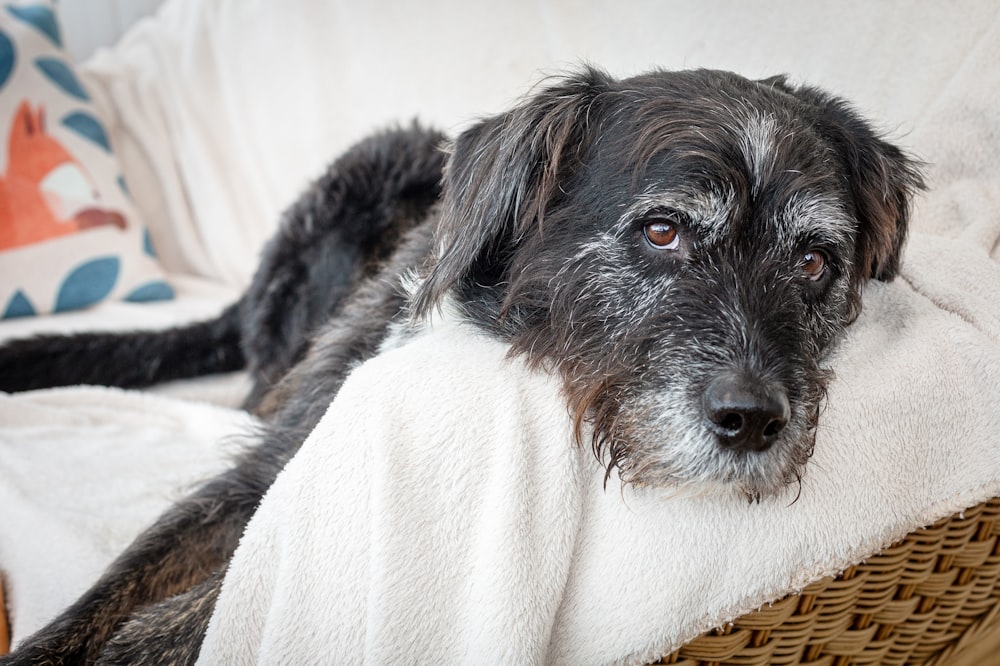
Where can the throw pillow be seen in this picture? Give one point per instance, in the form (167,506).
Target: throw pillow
(69,235)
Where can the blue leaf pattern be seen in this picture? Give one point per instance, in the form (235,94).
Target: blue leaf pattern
(158,290)
(39,16)
(147,243)
(19,306)
(8,57)
(89,127)
(60,74)
(88,283)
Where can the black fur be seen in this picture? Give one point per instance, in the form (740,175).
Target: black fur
(542,239)
(341,231)
(110,359)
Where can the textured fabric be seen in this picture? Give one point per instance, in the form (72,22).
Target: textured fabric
(69,236)
(84,469)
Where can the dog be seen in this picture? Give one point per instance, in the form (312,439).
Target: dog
(684,249)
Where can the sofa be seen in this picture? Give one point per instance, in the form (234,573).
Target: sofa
(216,114)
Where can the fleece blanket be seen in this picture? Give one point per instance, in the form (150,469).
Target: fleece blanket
(83,470)
(441,514)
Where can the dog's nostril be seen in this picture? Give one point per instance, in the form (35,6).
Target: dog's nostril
(744,414)
(774,427)
(731,421)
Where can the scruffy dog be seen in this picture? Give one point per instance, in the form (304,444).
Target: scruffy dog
(683,248)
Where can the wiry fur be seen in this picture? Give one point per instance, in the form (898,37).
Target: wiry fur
(539,240)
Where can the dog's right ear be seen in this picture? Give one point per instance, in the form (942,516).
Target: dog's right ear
(502,175)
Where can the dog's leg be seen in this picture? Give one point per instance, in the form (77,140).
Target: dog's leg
(339,233)
(169,632)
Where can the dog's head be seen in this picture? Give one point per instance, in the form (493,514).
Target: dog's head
(685,248)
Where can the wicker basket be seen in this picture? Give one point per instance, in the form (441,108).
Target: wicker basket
(929,599)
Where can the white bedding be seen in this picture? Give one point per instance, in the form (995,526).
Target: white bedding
(84,468)
(219,125)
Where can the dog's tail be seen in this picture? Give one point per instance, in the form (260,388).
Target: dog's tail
(127,360)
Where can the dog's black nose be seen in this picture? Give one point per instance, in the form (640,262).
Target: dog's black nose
(745,415)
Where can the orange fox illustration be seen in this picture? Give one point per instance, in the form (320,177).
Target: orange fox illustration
(45,193)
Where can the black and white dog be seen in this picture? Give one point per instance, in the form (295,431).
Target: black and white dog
(683,248)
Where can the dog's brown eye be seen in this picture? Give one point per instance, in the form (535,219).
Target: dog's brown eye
(813,264)
(661,234)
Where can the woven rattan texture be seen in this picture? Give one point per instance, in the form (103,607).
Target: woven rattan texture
(917,602)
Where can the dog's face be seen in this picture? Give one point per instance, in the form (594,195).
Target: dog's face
(685,249)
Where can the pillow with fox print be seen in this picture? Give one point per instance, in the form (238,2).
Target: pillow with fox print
(69,236)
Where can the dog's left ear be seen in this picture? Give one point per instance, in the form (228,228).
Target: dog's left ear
(881,180)
(502,175)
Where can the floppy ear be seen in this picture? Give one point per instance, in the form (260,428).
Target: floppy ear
(881,180)
(502,175)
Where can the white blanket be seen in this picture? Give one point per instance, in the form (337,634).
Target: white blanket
(83,470)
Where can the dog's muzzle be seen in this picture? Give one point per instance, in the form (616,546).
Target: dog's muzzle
(744,414)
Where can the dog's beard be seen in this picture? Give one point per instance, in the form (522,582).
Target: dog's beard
(661,439)
(661,450)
